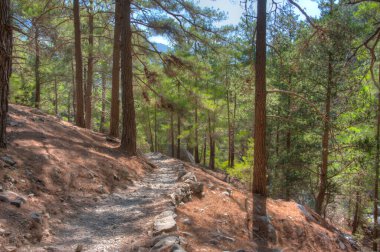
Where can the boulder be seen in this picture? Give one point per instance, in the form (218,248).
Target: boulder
(181,194)
(197,188)
(189,176)
(166,244)
(165,222)
(181,173)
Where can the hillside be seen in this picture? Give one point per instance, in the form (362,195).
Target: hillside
(59,178)
(56,164)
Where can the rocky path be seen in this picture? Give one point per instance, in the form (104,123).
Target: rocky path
(122,219)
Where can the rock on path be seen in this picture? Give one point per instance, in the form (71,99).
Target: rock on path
(122,218)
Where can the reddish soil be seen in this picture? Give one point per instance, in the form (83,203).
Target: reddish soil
(219,215)
(55,163)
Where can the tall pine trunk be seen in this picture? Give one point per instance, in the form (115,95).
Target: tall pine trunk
(260,160)
(128,136)
(325,143)
(259,181)
(37,64)
(5,65)
(90,68)
(79,117)
(115,102)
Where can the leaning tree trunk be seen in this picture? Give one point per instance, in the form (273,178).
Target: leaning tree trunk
(128,137)
(5,65)
(260,159)
(37,97)
(90,68)
(79,118)
(325,144)
(115,102)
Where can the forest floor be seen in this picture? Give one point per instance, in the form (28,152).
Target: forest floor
(71,189)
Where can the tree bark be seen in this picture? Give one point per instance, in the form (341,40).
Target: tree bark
(211,163)
(178,129)
(150,130)
(204,151)
(155,128)
(79,118)
(325,143)
(260,160)
(196,147)
(55,96)
(74,104)
(5,65)
(376,182)
(178,136)
(355,223)
(103,113)
(128,137)
(37,64)
(172,133)
(233,133)
(90,68)
(115,102)
(229,127)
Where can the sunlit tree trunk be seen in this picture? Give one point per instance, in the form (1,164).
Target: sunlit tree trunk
(128,137)
(90,68)
(37,64)
(79,118)
(5,65)
(115,102)
(260,161)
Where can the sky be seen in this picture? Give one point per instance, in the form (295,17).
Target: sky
(234,11)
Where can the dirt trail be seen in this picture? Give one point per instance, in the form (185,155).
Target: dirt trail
(123,218)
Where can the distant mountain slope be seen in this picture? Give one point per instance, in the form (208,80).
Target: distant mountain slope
(162,47)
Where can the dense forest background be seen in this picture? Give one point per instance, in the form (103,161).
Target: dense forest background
(197,93)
